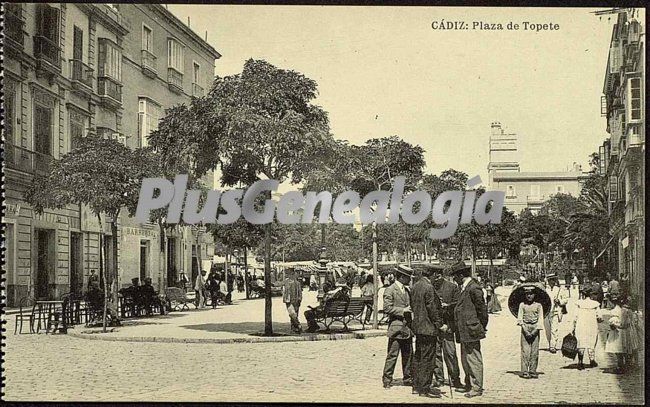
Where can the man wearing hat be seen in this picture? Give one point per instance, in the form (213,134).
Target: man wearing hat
(558,307)
(397,306)
(427,326)
(471,317)
(446,345)
(340,292)
(292,297)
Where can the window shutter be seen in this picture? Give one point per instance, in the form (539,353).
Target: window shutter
(102,58)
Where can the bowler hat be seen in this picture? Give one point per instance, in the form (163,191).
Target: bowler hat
(551,276)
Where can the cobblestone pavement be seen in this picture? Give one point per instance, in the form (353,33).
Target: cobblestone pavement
(40,367)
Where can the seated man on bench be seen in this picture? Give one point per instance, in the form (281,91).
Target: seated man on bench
(341,292)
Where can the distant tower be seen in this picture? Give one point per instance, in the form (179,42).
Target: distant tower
(504,156)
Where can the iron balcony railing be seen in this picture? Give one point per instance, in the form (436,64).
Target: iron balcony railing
(81,72)
(149,61)
(107,86)
(22,159)
(14,24)
(48,50)
(175,78)
(197,91)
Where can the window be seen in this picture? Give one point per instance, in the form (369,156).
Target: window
(510,191)
(110,60)
(195,73)
(147,38)
(614,58)
(10,109)
(633,100)
(175,55)
(613,188)
(559,189)
(534,191)
(46,41)
(77,127)
(149,113)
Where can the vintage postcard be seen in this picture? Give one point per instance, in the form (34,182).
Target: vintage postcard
(323,203)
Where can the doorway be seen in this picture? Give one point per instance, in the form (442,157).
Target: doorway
(144,259)
(44,284)
(76,264)
(171,262)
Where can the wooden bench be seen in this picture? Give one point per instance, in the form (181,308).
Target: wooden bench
(355,310)
(343,312)
(177,298)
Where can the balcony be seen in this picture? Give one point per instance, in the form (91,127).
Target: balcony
(81,76)
(197,91)
(24,160)
(14,27)
(110,91)
(149,64)
(48,54)
(535,199)
(175,80)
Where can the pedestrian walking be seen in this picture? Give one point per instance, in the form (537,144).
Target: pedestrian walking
(558,309)
(618,338)
(471,319)
(585,326)
(493,304)
(292,297)
(367,293)
(212,285)
(446,344)
(199,289)
(531,319)
(427,325)
(397,305)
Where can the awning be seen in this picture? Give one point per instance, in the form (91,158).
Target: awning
(604,250)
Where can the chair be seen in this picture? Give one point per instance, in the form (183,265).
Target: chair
(25,314)
(177,298)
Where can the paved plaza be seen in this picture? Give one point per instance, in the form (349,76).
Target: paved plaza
(62,367)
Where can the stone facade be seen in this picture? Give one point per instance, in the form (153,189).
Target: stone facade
(69,70)
(622,155)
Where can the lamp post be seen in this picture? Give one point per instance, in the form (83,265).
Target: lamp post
(322,271)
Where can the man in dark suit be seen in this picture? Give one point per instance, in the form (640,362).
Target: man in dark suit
(471,317)
(427,325)
(397,305)
(446,345)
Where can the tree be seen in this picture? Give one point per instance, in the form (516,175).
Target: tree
(100,173)
(374,166)
(265,125)
(240,234)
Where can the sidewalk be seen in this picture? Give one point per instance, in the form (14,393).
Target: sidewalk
(241,322)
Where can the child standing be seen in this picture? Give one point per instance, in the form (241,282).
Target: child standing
(531,319)
(585,325)
(618,336)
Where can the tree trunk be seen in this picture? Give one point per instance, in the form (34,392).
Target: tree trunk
(102,270)
(426,253)
(115,277)
(375,279)
(268,318)
(246,279)
(473,254)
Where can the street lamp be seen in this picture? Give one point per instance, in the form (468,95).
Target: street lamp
(322,271)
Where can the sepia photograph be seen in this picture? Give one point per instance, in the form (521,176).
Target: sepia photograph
(346,203)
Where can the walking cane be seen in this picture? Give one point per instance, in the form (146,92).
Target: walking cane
(451,390)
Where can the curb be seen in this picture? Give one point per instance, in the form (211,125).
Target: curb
(253,339)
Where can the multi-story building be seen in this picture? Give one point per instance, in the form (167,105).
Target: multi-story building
(525,190)
(622,155)
(69,70)
(166,64)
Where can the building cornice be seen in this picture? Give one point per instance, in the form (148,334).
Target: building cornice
(175,22)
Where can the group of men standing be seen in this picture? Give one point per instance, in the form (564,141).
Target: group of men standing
(438,313)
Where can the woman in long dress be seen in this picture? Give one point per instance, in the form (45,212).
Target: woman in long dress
(585,323)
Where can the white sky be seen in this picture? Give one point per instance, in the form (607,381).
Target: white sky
(383,71)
